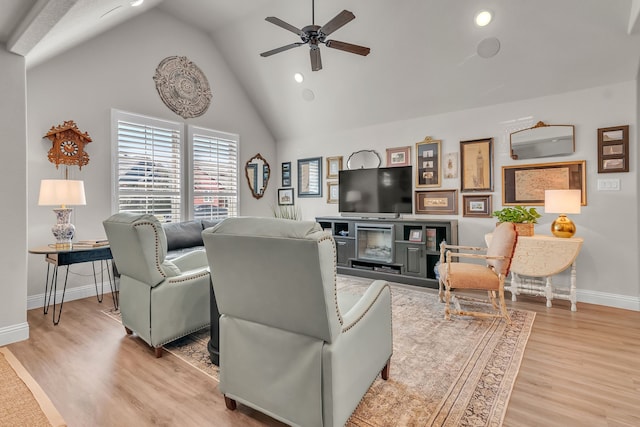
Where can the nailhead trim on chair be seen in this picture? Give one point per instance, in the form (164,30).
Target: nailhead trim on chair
(155,229)
(328,237)
(345,329)
(186,278)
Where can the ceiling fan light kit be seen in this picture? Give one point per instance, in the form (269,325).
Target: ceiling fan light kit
(314,35)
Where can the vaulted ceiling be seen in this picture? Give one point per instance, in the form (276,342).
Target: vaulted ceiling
(424,53)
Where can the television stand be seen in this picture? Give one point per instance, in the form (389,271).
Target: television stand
(393,249)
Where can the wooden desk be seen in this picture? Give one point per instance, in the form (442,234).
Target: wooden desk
(539,258)
(58,257)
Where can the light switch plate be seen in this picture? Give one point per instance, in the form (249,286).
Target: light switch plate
(612,184)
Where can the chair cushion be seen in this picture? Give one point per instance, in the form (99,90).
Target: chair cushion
(503,243)
(183,234)
(469,276)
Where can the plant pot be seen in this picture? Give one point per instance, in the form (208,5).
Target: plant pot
(523,228)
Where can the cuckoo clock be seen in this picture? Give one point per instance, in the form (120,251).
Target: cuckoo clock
(68,145)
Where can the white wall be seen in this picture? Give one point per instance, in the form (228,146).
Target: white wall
(608,263)
(115,70)
(13,187)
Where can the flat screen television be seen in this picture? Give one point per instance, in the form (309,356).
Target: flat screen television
(379,192)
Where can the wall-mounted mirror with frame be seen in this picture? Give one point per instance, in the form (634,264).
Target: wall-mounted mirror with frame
(542,140)
(257,171)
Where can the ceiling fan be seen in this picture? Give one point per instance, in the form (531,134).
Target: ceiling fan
(314,35)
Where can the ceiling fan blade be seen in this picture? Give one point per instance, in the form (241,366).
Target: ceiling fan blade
(337,22)
(280,49)
(280,23)
(348,47)
(316,61)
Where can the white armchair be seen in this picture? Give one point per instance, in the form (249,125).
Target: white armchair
(160,300)
(291,346)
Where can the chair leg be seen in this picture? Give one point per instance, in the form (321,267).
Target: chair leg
(158,352)
(230,403)
(503,306)
(385,371)
(447,300)
(440,290)
(492,298)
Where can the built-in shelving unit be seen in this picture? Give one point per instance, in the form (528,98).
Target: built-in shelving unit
(398,250)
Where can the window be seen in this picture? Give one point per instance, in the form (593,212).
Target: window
(214,184)
(159,171)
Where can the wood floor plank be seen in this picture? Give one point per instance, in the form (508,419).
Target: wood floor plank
(579,368)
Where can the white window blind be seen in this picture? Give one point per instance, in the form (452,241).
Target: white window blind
(214,177)
(159,171)
(149,166)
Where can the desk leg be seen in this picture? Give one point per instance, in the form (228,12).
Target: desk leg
(47,290)
(572,293)
(95,282)
(548,291)
(513,288)
(112,282)
(55,289)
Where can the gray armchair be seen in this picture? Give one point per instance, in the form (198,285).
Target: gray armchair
(291,346)
(160,300)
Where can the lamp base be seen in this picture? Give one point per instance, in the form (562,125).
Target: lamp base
(563,227)
(63,230)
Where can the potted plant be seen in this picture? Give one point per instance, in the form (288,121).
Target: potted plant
(523,218)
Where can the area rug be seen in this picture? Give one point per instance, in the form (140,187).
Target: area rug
(443,373)
(22,401)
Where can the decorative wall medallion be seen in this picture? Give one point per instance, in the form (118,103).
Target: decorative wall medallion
(182,86)
(68,144)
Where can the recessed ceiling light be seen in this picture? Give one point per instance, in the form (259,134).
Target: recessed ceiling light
(135,3)
(483,18)
(298,77)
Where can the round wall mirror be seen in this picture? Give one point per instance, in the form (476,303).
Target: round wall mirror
(257,171)
(364,159)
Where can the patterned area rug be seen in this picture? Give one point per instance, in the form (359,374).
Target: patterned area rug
(443,373)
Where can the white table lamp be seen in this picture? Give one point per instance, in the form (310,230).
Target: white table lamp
(62,192)
(562,202)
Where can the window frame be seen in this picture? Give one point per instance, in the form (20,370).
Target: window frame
(186,141)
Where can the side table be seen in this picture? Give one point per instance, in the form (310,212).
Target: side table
(69,256)
(542,257)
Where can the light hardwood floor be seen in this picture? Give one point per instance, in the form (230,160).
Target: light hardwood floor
(579,369)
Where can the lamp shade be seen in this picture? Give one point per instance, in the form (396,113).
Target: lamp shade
(61,192)
(562,201)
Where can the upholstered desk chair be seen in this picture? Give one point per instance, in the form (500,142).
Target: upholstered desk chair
(489,277)
(160,300)
(291,346)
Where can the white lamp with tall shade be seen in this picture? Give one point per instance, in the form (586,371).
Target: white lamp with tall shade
(563,202)
(62,192)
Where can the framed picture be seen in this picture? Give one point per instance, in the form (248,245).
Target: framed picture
(334,165)
(332,192)
(439,202)
(309,177)
(476,162)
(525,184)
(399,156)
(428,163)
(477,206)
(415,236)
(613,149)
(286,174)
(451,165)
(285,196)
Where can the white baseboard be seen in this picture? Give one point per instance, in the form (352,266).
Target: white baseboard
(609,300)
(79,292)
(14,333)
